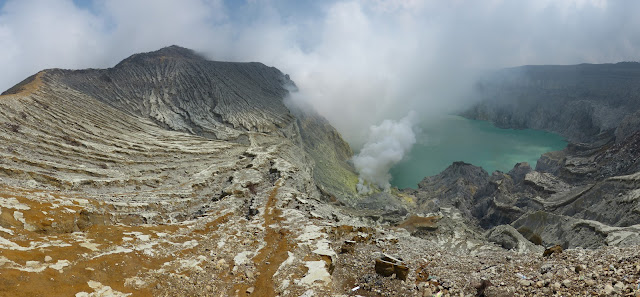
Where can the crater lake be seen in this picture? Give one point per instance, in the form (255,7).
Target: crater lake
(453,138)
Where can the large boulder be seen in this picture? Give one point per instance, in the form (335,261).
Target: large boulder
(455,186)
(509,238)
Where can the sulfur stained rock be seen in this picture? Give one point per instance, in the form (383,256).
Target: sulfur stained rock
(388,265)
(348,247)
(384,268)
(556,249)
(401,271)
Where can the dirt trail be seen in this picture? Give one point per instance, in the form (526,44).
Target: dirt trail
(275,251)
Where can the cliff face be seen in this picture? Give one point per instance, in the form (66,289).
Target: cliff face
(577,102)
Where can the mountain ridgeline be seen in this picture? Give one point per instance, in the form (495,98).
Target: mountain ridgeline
(172,89)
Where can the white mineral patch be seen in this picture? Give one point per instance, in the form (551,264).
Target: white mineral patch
(18,216)
(47,243)
(192,263)
(242,258)
(190,244)
(285,284)
(323,248)
(13,203)
(5,230)
(221,242)
(286,263)
(147,248)
(284,166)
(246,177)
(292,215)
(4,260)
(317,272)
(10,245)
(135,282)
(101,290)
(117,250)
(81,201)
(30,266)
(308,293)
(130,204)
(33,266)
(60,265)
(141,236)
(310,232)
(90,245)
(149,252)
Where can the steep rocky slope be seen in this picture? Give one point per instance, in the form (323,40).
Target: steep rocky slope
(139,163)
(145,100)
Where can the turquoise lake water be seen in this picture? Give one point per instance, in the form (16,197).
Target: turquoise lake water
(454,138)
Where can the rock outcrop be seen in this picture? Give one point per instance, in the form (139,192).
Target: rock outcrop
(511,239)
(455,186)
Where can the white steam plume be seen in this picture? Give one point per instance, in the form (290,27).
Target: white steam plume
(388,143)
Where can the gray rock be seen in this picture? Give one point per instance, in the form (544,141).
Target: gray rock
(590,282)
(608,289)
(629,126)
(455,186)
(524,282)
(509,238)
(545,182)
(545,268)
(519,171)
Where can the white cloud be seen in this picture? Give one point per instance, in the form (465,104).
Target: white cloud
(44,34)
